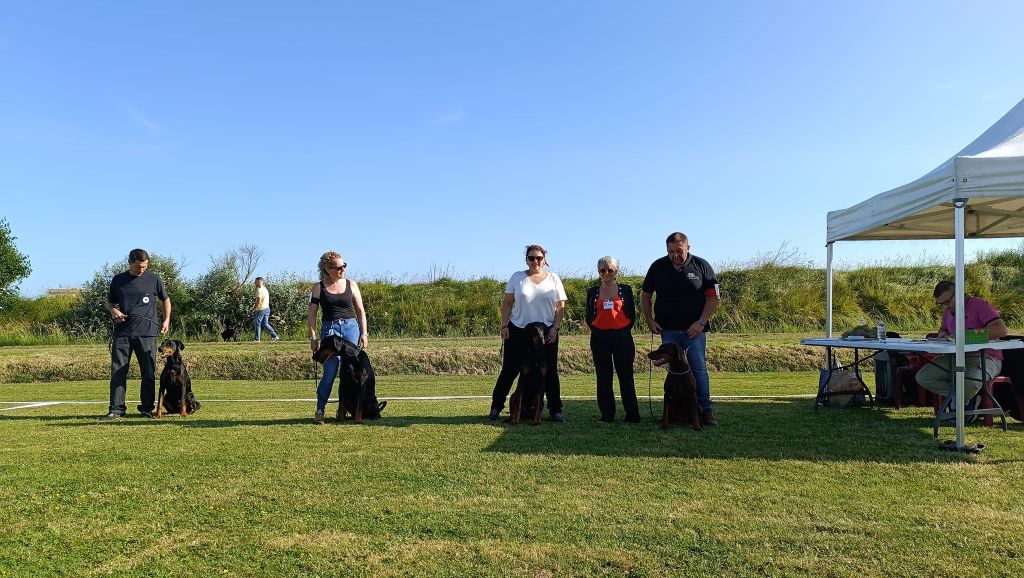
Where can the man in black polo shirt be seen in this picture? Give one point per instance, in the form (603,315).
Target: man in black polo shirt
(131,302)
(687,296)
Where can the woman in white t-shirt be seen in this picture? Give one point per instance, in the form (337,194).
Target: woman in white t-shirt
(534,295)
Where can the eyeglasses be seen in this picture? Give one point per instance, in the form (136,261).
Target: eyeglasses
(535,257)
(339,267)
(603,271)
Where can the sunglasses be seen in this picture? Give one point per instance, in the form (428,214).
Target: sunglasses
(603,271)
(535,257)
(339,267)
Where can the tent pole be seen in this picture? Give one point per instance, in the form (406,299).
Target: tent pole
(960,361)
(828,291)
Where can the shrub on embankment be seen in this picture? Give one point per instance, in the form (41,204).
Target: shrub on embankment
(770,295)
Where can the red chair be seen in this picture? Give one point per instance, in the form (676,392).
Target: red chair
(906,377)
(986,400)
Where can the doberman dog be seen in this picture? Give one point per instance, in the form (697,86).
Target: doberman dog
(680,404)
(175,385)
(357,394)
(532,375)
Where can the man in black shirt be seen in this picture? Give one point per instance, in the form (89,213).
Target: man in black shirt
(131,302)
(687,296)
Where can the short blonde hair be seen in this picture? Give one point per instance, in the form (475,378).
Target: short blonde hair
(325,260)
(609,262)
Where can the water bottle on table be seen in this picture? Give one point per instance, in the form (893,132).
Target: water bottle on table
(880,329)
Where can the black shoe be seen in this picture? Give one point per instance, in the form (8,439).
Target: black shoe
(707,419)
(604,420)
(493,416)
(557,416)
(146,414)
(635,419)
(109,417)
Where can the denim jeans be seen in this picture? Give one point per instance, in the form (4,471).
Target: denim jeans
(348,329)
(261,320)
(696,352)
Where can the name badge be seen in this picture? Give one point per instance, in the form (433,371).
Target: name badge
(609,304)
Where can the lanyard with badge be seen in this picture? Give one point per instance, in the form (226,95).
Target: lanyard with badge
(609,304)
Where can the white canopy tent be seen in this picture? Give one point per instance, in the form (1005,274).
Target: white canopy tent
(978,193)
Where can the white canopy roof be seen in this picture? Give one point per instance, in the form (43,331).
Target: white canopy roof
(989,172)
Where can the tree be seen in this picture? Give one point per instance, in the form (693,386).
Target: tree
(14,266)
(242,260)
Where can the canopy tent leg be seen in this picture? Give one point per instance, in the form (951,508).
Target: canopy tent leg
(960,361)
(828,291)
(828,306)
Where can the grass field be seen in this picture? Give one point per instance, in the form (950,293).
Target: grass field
(254,489)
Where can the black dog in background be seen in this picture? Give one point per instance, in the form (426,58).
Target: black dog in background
(529,393)
(229,334)
(680,386)
(175,385)
(357,390)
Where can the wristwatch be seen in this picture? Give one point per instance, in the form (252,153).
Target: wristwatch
(702,322)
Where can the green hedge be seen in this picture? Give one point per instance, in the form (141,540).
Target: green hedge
(769,297)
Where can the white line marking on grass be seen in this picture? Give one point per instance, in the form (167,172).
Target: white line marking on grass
(31,404)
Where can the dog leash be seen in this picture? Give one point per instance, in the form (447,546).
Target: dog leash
(650,376)
(115,324)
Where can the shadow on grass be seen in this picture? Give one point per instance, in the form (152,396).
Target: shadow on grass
(766,430)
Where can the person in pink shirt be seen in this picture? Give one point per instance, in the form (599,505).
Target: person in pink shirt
(978,314)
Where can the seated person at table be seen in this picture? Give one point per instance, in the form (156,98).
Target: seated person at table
(978,314)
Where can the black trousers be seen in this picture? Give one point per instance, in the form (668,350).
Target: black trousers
(614,347)
(120,356)
(511,363)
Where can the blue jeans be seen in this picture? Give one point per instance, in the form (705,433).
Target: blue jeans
(261,320)
(696,351)
(348,329)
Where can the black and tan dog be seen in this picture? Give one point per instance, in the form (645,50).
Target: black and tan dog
(175,385)
(357,390)
(680,387)
(532,376)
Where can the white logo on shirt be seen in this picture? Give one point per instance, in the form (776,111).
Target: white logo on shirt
(145,299)
(692,275)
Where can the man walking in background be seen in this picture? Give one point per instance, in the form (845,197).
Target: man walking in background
(261,311)
(131,302)
(687,297)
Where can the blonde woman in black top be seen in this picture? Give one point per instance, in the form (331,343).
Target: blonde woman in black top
(342,315)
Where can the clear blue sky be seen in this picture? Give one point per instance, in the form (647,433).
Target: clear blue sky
(419,135)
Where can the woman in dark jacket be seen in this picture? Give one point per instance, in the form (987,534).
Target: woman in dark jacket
(610,316)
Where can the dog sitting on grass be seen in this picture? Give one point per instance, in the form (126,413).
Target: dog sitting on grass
(175,385)
(680,404)
(357,387)
(529,393)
